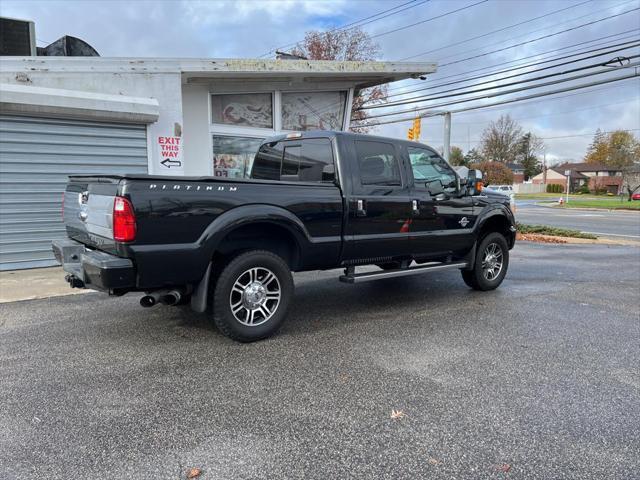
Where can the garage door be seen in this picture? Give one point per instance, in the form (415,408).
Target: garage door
(36,156)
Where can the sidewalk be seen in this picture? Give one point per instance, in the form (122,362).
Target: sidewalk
(34,283)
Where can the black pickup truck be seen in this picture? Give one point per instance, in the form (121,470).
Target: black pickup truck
(315,200)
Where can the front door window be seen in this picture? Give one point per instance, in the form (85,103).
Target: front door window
(432,171)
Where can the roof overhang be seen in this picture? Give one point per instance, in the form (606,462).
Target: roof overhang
(29,99)
(358,74)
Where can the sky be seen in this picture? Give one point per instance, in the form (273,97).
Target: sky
(250,28)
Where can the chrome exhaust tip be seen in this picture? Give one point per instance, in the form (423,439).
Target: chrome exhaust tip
(148,301)
(171,298)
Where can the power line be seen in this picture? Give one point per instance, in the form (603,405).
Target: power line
(542,54)
(407,101)
(543,29)
(428,19)
(591,134)
(496,31)
(624,46)
(541,38)
(359,23)
(507,92)
(493,87)
(524,103)
(560,136)
(565,112)
(513,100)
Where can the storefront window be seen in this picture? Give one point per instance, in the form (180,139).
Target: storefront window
(233,156)
(246,109)
(313,110)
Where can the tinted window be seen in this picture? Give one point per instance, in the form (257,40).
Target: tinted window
(304,161)
(266,165)
(291,163)
(429,167)
(378,163)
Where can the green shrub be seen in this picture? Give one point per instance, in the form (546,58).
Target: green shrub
(584,189)
(555,231)
(554,188)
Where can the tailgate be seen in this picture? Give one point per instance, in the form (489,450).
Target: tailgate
(88,210)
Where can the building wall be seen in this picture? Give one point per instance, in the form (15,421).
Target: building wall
(611,184)
(184,105)
(197,141)
(165,87)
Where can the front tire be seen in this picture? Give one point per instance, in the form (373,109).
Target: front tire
(491,263)
(252,296)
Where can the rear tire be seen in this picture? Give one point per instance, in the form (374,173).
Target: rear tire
(252,295)
(491,263)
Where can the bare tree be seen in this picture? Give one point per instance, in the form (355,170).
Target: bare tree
(631,179)
(500,140)
(353,44)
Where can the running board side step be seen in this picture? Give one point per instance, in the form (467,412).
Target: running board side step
(351,277)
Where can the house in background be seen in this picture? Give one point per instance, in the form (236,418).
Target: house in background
(553,176)
(595,176)
(518,172)
(598,177)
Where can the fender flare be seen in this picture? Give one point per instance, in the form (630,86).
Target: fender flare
(494,211)
(238,217)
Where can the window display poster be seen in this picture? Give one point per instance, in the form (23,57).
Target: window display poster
(313,110)
(247,109)
(233,156)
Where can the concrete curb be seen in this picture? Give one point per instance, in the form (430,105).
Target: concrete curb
(32,284)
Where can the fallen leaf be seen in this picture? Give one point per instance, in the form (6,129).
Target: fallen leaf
(434,461)
(194,472)
(397,414)
(505,467)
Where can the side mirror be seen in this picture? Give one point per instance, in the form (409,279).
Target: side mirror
(474,182)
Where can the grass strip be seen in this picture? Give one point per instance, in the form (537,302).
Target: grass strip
(555,231)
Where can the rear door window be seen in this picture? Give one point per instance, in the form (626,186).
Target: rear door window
(308,160)
(378,163)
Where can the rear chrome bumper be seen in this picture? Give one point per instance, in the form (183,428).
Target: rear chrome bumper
(93,268)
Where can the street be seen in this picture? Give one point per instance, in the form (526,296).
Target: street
(538,379)
(615,224)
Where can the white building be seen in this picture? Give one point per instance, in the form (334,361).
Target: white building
(198,117)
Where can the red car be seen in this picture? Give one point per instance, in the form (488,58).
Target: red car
(635,196)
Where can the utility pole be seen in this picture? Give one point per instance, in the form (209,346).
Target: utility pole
(447,136)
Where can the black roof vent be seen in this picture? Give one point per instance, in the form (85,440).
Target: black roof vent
(68,46)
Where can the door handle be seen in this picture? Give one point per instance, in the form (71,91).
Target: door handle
(415,207)
(361,210)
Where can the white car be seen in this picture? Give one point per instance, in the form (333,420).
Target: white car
(506,189)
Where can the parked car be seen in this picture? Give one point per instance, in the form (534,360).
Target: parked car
(507,189)
(635,196)
(315,200)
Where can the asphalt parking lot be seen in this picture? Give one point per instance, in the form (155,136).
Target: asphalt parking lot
(539,379)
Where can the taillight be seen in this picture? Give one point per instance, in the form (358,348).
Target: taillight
(124,220)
